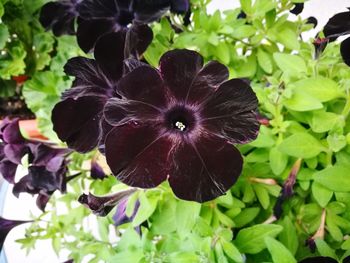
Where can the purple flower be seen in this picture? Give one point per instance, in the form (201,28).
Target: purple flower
(319,260)
(102,205)
(120,216)
(12,148)
(339,25)
(60,16)
(96,171)
(298,8)
(6,226)
(180,123)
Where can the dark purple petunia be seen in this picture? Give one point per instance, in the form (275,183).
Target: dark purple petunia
(297,9)
(319,260)
(96,171)
(180,123)
(312,20)
(120,216)
(12,148)
(102,205)
(6,226)
(60,16)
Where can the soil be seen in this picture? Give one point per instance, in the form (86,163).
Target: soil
(15,107)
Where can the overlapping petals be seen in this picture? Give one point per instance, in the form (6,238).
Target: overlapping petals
(6,226)
(60,16)
(179,123)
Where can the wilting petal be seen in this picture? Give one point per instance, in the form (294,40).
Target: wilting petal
(89,31)
(138,38)
(43,154)
(230,112)
(143,84)
(337,25)
(89,79)
(319,260)
(298,8)
(8,170)
(149,11)
(118,112)
(15,152)
(206,81)
(179,68)
(204,170)
(109,54)
(45,180)
(138,155)
(345,51)
(120,216)
(77,122)
(102,205)
(179,6)
(96,171)
(6,226)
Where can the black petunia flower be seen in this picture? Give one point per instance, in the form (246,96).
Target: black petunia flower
(6,226)
(100,17)
(339,25)
(102,205)
(297,9)
(12,148)
(179,123)
(60,16)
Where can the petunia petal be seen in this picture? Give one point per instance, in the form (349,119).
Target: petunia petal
(179,6)
(120,216)
(206,81)
(109,54)
(42,200)
(102,205)
(138,155)
(118,112)
(90,30)
(178,68)
(337,25)
(138,38)
(197,175)
(15,152)
(345,51)
(130,64)
(298,8)
(42,153)
(8,170)
(77,122)
(143,84)
(6,226)
(92,9)
(49,14)
(96,171)
(151,10)
(11,133)
(230,112)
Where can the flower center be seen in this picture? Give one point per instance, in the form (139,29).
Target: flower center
(180,119)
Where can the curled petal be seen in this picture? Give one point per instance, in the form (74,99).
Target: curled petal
(6,226)
(230,112)
(298,8)
(77,122)
(8,170)
(138,155)
(197,176)
(337,25)
(102,205)
(42,200)
(11,132)
(120,216)
(178,68)
(43,154)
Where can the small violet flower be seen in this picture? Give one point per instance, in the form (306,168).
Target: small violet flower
(180,123)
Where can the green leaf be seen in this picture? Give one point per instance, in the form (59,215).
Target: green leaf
(301,145)
(148,205)
(290,64)
(223,53)
(323,121)
(4,35)
(335,178)
(182,257)
(289,39)
(262,195)
(336,142)
(302,101)
(278,161)
(289,236)
(251,240)
(320,88)
(243,31)
(246,216)
(279,253)
(322,194)
(186,216)
(231,251)
(265,61)
(324,249)
(7,88)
